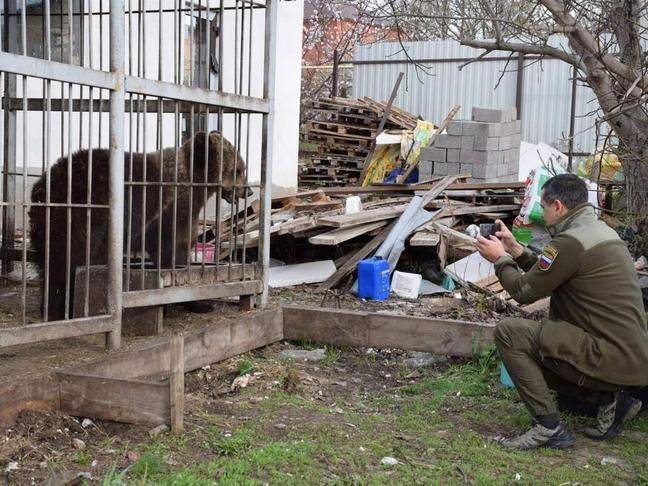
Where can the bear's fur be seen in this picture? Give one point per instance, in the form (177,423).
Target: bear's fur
(147,219)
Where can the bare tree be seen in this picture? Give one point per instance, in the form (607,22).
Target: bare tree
(605,41)
(334,26)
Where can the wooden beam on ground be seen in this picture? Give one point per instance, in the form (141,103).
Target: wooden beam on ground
(220,341)
(350,265)
(337,236)
(367,329)
(119,400)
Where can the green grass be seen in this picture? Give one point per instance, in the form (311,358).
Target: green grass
(439,428)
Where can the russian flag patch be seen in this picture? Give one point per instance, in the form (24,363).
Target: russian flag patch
(546,259)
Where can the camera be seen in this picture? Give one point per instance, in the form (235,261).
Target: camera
(488,229)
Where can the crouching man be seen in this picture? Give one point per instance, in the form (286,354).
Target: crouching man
(594,345)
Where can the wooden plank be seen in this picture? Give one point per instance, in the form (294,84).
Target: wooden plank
(455,210)
(455,235)
(170,295)
(350,265)
(391,188)
(369,216)
(176,383)
(340,235)
(356,328)
(119,400)
(49,331)
(425,238)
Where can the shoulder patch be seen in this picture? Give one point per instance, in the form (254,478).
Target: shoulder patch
(547,257)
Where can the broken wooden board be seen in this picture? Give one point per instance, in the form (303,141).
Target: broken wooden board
(381,330)
(425,238)
(300,273)
(119,400)
(337,236)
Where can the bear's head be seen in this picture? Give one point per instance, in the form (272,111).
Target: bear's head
(220,152)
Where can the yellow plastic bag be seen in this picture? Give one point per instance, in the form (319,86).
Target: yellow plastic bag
(609,164)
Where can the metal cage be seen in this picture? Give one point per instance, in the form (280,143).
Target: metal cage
(135,158)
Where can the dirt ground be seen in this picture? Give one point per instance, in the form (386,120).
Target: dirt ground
(333,421)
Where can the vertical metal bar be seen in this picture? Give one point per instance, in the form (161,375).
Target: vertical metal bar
(160,148)
(23,294)
(267,144)
(115,236)
(10,137)
(177,19)
(519,86)
(144,107)
(68,243)
(221,129)
(129,224)
(48,158)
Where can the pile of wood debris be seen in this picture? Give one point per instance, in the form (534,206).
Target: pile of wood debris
(316,225)
(342,135)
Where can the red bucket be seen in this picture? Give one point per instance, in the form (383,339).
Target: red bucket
(203,252)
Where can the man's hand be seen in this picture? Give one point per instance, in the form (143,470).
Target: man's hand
(510,244)
(490,249)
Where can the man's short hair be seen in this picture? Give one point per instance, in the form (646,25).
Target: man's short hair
(569,189)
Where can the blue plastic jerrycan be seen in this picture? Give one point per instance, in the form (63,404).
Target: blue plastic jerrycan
(373,279)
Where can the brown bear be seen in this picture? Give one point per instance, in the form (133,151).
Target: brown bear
(140,218)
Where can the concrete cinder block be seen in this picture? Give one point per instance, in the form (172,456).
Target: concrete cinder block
(447,141)
(491,157)
(425,169)
(505,142)
(467,142)
(512,155)
(511,128)
(512,113)
(502,170)
(453,168)
(477,128)
(434,154)
(490,115)
(440,168)
(454,155)
(466,168)
(455,128)
(484,171)
(482,143)
(516,140)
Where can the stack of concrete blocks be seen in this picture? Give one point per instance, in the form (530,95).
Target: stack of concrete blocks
(488,148)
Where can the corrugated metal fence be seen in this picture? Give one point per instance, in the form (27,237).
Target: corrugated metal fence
(543,98)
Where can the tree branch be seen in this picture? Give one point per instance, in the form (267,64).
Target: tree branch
(523,48)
